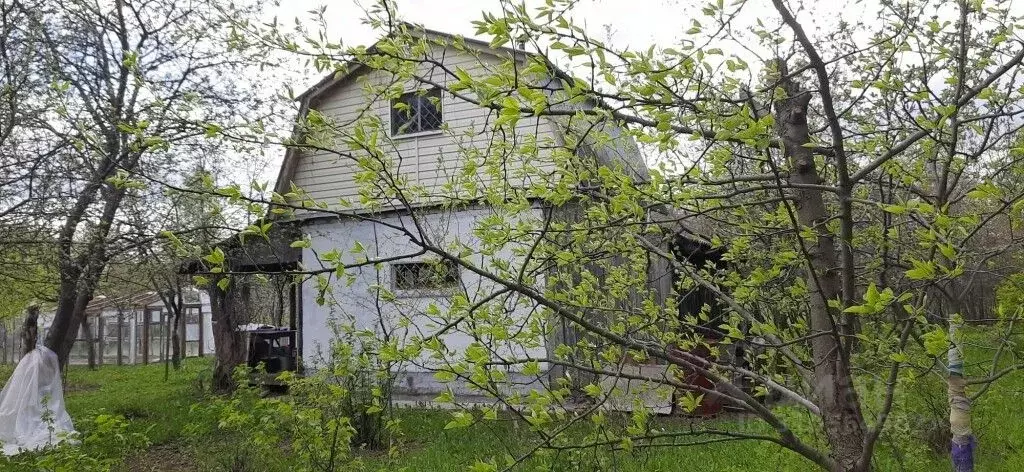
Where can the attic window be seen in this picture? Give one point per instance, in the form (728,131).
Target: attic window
(416,112)
(430,276)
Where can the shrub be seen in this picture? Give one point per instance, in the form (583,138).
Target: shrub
(103,444)
(317,425)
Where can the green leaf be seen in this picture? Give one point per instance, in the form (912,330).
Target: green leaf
(212,130)
(460,419)
(477,353)
(948,251)
(445,397)
(481,466)
(690,402)
(986,190)
(463,76)
(936,342)
(900,357)
(895,209)
(444,376)
(871,294)
(215,257)
(922,270)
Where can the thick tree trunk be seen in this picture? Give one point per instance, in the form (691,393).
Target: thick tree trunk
(30,330)
(72,272)
(840,407)
(228,341)
(70,314)
(79,275)
(77,316)
(64,317)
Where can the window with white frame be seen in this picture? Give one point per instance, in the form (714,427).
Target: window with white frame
(429,276)
(416,112)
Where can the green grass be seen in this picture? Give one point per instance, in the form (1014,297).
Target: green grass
(139,393)
(162,411)
(428,446)
(152,405)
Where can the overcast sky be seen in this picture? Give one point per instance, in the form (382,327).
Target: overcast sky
(630,23)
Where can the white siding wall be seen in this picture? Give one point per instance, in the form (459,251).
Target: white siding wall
(357,302)
(429,159)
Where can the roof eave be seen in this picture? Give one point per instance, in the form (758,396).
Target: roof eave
(336,76)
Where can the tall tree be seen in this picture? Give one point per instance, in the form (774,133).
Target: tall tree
(133,90)
(850,177)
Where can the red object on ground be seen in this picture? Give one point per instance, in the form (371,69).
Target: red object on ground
(712,403)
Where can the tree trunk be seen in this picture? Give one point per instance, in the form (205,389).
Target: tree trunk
(64,317)
(176,341)
(120,337)
(840,407)
(962,451)
(166,349)
(963,441)
(145,336)
(77,317)
(79,275)
(30,330)
(89,342)
(68,320)
(228,341)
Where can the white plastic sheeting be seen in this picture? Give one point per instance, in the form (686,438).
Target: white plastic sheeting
(32,413)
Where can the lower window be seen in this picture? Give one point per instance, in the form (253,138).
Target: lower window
(425,275)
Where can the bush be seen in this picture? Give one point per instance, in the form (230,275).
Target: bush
(364,384)
(103,444)
(315,427)
(1010,296)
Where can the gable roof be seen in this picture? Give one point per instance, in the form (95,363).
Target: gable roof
(621,152)
(101,303)
(130,302)
(330,81)
(352,67)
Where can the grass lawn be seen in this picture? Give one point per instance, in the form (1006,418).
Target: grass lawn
(162,411)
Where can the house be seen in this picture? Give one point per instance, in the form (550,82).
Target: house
(132,329)
(429,136)
(429,133)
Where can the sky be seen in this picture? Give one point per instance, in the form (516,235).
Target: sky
(632,23)
(631,20)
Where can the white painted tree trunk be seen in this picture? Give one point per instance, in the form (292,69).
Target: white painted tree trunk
(962,452)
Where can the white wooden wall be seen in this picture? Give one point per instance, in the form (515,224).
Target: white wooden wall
(428,159)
